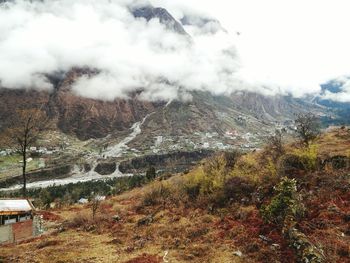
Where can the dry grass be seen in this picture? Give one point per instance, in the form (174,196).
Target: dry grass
(334,142)
(188,233)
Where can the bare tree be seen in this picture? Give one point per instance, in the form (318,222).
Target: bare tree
(275,144)
(22,132)
(308,127)
(95,204)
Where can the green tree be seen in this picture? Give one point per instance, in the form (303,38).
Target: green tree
(286,202)
(307,127)
(45,198)
(151,173)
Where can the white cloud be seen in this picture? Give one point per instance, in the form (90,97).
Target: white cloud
(287,47)
(344,91)
(43,37)
(291,46)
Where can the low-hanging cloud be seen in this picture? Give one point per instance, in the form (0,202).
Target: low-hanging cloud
(42,37)
(343,92)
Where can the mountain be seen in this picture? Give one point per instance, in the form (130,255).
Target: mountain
(241,112)
(132,128)
(90,118)
(340,109)
(165,18)
(332,87)
(72,114)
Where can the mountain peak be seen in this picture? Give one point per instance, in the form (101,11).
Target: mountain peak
(165,18)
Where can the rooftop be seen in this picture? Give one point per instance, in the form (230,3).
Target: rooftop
(14,206)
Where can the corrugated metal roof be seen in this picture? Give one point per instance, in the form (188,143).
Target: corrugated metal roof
(13,205)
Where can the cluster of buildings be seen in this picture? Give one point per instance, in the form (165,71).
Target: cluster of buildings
(33,150)
(44,150)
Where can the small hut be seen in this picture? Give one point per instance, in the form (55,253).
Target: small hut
(16,220)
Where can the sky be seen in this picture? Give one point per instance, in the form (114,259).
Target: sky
(268,46)
(285,43)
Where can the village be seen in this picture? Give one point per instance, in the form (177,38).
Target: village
(232,139)
(56,148)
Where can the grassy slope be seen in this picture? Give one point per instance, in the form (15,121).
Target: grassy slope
(122,241)
(191,233)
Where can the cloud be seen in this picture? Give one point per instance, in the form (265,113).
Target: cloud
(275,52)
(342,94)
(42,37)
(289,46)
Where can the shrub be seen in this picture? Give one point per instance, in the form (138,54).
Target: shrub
(206,184)
(137,181)
(45,198)
(247,167)
(84,221)
(221,164)
(286,202)
(203,182)
(159,193)
(192,190)
(122,185)
(80,220)
(151,173)
(290,164)
(275,145)
(238,188)
(308,156)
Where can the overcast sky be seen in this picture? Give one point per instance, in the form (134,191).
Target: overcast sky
(295,43)
(288,47)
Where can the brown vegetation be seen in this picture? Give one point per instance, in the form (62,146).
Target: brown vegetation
(214,213)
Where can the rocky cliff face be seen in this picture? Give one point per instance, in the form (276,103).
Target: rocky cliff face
(90,118)
(272,107)
(83,117)
(12,100)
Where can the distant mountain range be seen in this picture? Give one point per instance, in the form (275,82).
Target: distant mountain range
(341,110)
(91,118)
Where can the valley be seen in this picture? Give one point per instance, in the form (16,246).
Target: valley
(230,219)
(173,128)
(146,131)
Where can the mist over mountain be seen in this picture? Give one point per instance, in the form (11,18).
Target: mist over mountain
(133,44)
(101,66)
(335,97)
(174,131)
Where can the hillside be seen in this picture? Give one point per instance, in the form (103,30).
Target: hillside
(86,131)
(257,207)
(156,113)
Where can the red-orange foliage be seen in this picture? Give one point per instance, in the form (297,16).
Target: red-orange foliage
(146,259)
